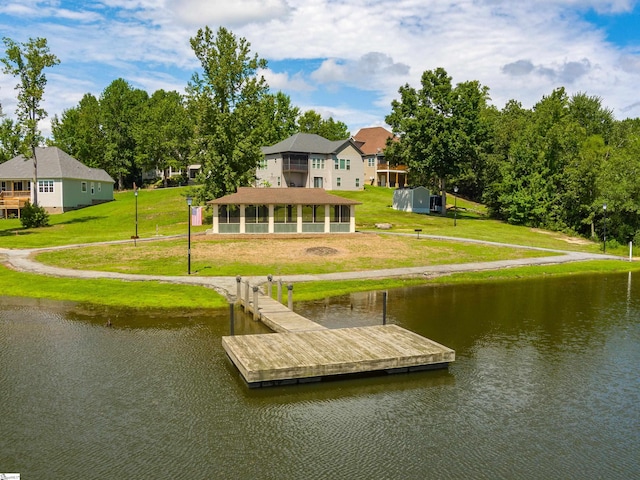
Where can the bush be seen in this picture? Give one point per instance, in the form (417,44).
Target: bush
(34,216)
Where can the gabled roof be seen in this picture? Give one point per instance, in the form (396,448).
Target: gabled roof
(281,196)
(372,140)
(308,143)
(52,163)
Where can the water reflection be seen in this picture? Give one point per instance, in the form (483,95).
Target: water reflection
(544,386)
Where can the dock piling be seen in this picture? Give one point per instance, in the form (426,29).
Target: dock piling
(231,319)
(246,295)
(384,307)
(290,296)
(269,284)
(279,290)
(256,313)
(238,289)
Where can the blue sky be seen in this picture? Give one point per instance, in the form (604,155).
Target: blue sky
(342,58)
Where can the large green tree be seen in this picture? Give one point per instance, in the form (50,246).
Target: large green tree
(79,132)
(312,122)
(226,101)
(27,61)
(163,134)
(120,108)
(439,127)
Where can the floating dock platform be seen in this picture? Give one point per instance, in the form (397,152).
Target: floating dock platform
(304,351)
(284,358)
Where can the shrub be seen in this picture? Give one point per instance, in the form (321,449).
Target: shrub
(34,216)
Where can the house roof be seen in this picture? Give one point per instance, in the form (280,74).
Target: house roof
(372,140)
(52,163)
(307,143)
(281,196)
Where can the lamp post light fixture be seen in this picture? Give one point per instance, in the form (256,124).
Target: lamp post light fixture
(604,242)
(189,201)
(135,193)
(455,206)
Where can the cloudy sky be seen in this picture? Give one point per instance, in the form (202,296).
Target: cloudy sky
(342,58)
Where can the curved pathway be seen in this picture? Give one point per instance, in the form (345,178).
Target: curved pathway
(23,260)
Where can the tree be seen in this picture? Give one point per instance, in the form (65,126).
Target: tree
(163,134)
(226,104)
(28,61)
(10,139)
(312,122)
(439,127)
(79,132)
(120,106)
(279,118)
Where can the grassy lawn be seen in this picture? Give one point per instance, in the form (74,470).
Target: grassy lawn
(288,256)
(163,213)
(143,295)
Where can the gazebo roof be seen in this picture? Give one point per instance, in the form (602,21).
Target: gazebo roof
(281,196)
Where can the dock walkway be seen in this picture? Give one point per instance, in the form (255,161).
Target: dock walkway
(305,351)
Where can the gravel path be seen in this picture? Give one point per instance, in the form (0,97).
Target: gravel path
(23,260)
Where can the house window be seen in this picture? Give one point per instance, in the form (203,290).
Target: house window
(338,181)
(336,163)
(284,214)
(342,163)
(348,164)
(93,188)
(99,187)
(317,182)
(317,163)
(256,214)
(45,186)
(279,182)
(372,162)
(262,164)
(313,213)
(3,186)
(357,182)
(229,214)
(83,187)
(341,214)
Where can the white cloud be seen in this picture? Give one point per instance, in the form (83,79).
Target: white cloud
(285,82)
(228,13)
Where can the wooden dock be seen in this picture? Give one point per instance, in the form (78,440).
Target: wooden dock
(305,351)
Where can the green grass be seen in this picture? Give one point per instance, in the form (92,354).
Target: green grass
(169,257)
(309,291)
(163,213)
(107,292)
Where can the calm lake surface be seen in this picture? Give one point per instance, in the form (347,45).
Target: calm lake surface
(545,385)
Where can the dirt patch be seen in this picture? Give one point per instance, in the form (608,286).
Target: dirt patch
(322,251)
(564,238)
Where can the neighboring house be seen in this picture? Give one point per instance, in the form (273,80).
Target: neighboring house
(372,142)
(283,210)
(64,183)
(192,173)
(311,161)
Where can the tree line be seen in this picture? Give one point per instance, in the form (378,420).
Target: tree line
(226,115)
(565,164)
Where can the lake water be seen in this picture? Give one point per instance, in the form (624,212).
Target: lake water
(545,385)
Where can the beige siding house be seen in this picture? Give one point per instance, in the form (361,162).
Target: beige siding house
(64,183)
(311,161)
(372,141)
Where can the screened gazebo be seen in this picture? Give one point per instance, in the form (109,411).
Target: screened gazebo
(283,210)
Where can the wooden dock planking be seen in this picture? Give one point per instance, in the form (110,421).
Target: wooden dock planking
(267,358)
(279,318)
